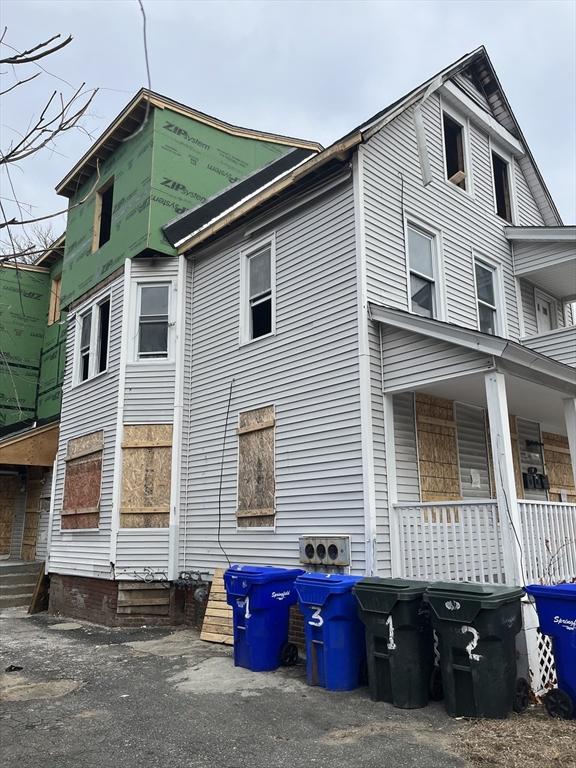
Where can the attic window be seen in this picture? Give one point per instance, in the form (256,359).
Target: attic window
(454,151)
(103,215)
(501,187)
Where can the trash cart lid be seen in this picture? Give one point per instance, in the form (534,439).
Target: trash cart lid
(334,582)
(566,591)
(260,574)
(404,589)
(474,591)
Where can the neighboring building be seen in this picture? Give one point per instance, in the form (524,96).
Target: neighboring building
(32,359)
(374,347)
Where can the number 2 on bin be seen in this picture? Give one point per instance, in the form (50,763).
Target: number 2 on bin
(316,620)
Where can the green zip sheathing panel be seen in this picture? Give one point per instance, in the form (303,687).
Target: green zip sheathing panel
(24,296)
(131,166)
(173,164)
(52,361)
(192,162)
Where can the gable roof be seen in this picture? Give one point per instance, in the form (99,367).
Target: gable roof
(133,116)
(476,65)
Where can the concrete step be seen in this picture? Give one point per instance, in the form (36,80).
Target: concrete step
(18,566)
(13,601)
(18,578)
(17,589)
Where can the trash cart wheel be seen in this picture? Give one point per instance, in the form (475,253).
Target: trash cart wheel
(521,696)
(436,690)
(289,656)
(558,704)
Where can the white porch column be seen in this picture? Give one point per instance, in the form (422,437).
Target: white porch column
(570,417)
(510,522)
(396,555)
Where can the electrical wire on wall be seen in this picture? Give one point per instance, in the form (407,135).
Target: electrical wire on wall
(224,436)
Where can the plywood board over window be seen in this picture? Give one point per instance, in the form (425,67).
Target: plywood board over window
(146,476)
(437,449)
(559,467)
(256,471)
(82,482)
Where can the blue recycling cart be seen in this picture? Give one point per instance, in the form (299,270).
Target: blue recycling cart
(261,597)
(556,608)
(335,641)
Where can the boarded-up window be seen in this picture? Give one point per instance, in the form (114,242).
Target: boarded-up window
(256,480)
(82,483)
(146,476)
(559,467)
(437,449)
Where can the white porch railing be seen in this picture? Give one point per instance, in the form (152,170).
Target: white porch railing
(457,541)
(464,541)
(548,540)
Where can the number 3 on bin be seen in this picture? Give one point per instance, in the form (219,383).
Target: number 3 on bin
(316,620)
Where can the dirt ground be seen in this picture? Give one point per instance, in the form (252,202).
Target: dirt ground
(93,697)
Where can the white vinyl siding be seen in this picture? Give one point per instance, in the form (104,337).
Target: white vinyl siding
(472,452)
(393,191)
(309,370)
(407,475)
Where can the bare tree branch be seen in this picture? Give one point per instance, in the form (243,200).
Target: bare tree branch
(26,58)
(19,82)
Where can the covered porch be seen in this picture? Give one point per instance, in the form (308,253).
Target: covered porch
(480,455)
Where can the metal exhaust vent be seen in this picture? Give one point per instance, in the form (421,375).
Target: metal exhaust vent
(325,553)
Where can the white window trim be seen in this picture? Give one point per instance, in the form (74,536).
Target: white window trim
(245,253)
(93,310)
(440,304)
(464,121)
(255,528)
(133,333)
(500,304)
(553,305)
(494,148)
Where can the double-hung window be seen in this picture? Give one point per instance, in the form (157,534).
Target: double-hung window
(501,178)
(93,328)
(257,293)
(153,320)
(486,297)
(422,268)
(455,160)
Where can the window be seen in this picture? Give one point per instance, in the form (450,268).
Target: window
(93,339)
(421,259)
(500,172)
(153,320)
(257,282)
(82,482)
(454,151)
(54,308)
(146,476)
(486,298)
(103,215)
(256,471)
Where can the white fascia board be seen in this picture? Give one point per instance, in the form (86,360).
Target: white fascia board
(463,103)
(541,234)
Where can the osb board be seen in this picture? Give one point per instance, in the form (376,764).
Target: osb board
(80,520)
(81,446)
(9,493)
(256,474)
(33,490)
(217,626)
(82,483)
(37,448)
(146,476)
(558,467)
(437,449)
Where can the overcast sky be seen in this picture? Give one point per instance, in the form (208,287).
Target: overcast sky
(312,69)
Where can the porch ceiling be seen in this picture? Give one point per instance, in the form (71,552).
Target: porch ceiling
(558,279)
(526,399)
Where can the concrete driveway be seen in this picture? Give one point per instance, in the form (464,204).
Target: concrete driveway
(92,697)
